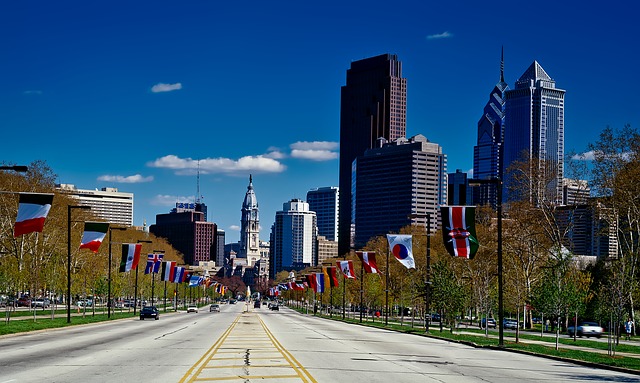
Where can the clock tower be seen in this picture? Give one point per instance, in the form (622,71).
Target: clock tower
(250,227)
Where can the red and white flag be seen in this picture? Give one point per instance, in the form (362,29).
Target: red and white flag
(368,259)
(32,211)
(94,233)
(347,269)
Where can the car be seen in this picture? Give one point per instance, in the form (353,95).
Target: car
(192,309)
(23,302)
(256,304)
(488,322)
(232,301)
(149,312)
(214,307)
(40,302)
(510,323)
(275,308)
(587,329)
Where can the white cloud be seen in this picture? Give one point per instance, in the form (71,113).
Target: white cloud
(126,179)
(586,156)
(315,150)
(169,200)
(314,145)
(234,227)
(314,155)
(443,35)
(161,87)
(188,166)
(276,155)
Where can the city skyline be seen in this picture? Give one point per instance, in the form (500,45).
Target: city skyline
(139,97)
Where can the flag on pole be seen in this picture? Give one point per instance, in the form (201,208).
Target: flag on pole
(94,233)
(298,286)
(178,274)
(332,273)
(311,281)
(130,256)
(347,269)
(168,269)
(153,263)
(33,209)
(459,230)
(368,259)
(195,280)
(401,247)
(320,283)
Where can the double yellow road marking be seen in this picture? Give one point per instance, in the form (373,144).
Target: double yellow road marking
(247,351)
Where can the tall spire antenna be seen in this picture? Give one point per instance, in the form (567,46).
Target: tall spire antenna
(502,65)
(198,183)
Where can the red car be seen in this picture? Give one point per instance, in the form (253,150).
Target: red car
(23,302)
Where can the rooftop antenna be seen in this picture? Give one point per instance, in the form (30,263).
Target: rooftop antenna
(502,65)
(198,183)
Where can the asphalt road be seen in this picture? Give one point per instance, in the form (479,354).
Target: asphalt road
(265,345)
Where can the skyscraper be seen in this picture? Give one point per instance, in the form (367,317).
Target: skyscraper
(373,104)
(534,127)
(324,201)
(293,238)
(488,151)
(401,178)
(250,227)
(107,203)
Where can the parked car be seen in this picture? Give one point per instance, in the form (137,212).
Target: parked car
(192,309)
(510,323)
(586,329)
(149,312)
(490,322)
(40,302)
(23,302)
(214,307)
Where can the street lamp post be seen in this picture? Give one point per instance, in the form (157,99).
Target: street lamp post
(69,208)
(427,282)
(135,288)
(498,184)
(153,279)
(111,228)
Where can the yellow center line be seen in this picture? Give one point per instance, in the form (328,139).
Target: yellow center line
(234,346)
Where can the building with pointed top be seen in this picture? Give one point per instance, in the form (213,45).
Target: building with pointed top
(487,154)
(250,227)
(534,126)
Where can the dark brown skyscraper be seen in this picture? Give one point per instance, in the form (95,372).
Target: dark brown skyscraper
(373,105)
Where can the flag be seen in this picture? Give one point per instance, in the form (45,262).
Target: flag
(311,280)
(332,273)
(168,269)
(94,233)
(347,269)
(32,211)
(368,259)
(195,280)
(320,283)
(459,230)
(153,263)
(400,245)
(178,274)
(186,276)
(130,256)
(298,286)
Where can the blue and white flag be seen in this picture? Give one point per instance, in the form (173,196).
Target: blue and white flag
(195,280)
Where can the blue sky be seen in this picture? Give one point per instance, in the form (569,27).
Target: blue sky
(130,94)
